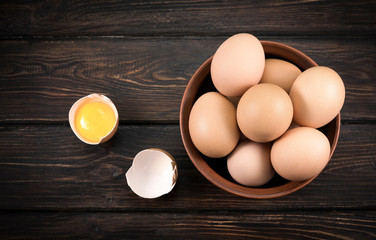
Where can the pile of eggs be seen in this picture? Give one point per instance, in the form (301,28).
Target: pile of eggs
(266,114)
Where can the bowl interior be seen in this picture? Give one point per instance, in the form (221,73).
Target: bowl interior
(215,170)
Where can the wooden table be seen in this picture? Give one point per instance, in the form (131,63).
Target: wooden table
(142,55)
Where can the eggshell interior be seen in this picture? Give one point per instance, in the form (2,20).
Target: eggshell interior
(153,173)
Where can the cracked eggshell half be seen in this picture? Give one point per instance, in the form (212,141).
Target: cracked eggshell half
(95,98)
(153,173)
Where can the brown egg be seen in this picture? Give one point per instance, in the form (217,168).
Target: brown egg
(249,164)
(264,112)
(318,95)
(280,73)
(237,64)
(301,153)
(212,125)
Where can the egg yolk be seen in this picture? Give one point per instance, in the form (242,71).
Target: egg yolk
(94,120)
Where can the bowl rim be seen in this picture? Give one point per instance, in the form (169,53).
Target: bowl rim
(203,167)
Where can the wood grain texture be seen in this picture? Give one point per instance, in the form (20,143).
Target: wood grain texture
(140,18)
(146,77)
(142,54)
(221,225)
(48,168)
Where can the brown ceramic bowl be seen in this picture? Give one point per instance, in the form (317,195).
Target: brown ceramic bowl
(215,170)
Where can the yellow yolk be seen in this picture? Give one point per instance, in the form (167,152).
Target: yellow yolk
(94,120)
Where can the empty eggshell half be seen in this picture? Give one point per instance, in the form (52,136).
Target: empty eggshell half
(153,173)
(88,99)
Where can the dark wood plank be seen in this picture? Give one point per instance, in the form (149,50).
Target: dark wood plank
(48,168)
(140,18)
(146,77)
(238,225)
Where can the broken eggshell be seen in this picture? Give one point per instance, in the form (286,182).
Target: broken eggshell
(94,97)
(153,173)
